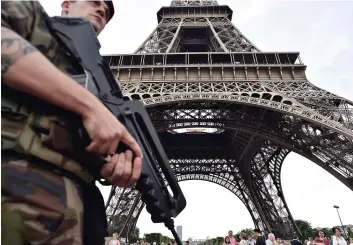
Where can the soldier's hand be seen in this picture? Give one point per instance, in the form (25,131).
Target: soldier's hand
(120,170)
(106,132)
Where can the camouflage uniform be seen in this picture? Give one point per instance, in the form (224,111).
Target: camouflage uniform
(39,205)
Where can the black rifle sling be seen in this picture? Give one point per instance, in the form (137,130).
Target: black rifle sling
(78,39)
(159,203)
(83,37)
(95,220)
(84,44)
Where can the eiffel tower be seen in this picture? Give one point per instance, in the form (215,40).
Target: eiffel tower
(229,113)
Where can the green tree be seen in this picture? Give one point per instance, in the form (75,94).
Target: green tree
(305,229)
(247,232)
(350,233)
(327,231)
(147,237)
(154,237)
(134,235)
(220,240)
(166,239)
(215,241)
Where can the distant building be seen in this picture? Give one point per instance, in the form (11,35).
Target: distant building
(179,229)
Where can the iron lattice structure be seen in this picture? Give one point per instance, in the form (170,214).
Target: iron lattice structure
(197,72)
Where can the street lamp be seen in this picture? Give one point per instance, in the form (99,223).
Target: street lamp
(336,207)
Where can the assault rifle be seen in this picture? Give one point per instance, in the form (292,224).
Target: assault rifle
(155,166)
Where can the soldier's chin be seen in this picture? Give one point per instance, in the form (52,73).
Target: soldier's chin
(97,27)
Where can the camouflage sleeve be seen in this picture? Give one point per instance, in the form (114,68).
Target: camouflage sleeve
(17,22)
(18,16)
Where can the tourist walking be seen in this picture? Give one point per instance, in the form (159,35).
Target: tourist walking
(337,238)
(260,239)
(321,239)
(271,239)
(115,240)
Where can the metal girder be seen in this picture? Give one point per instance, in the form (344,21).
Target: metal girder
(226,173)
(230,36)
(219,35)
(117,208)
(197,70)
(230,178)
(291,107)
(161,37)
(263,169)
(299,135)
(213,155)
(183,3)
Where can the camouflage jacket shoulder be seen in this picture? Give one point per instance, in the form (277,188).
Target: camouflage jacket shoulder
(29,19)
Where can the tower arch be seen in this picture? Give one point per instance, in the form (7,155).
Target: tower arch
(197,70)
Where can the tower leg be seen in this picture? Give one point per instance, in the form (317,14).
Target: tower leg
(264,180)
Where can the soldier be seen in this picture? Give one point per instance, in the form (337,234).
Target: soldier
(43,184)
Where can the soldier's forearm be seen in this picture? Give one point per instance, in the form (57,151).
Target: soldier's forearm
(25,69)
(13,47)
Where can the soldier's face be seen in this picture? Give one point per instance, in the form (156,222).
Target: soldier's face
(96,12)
